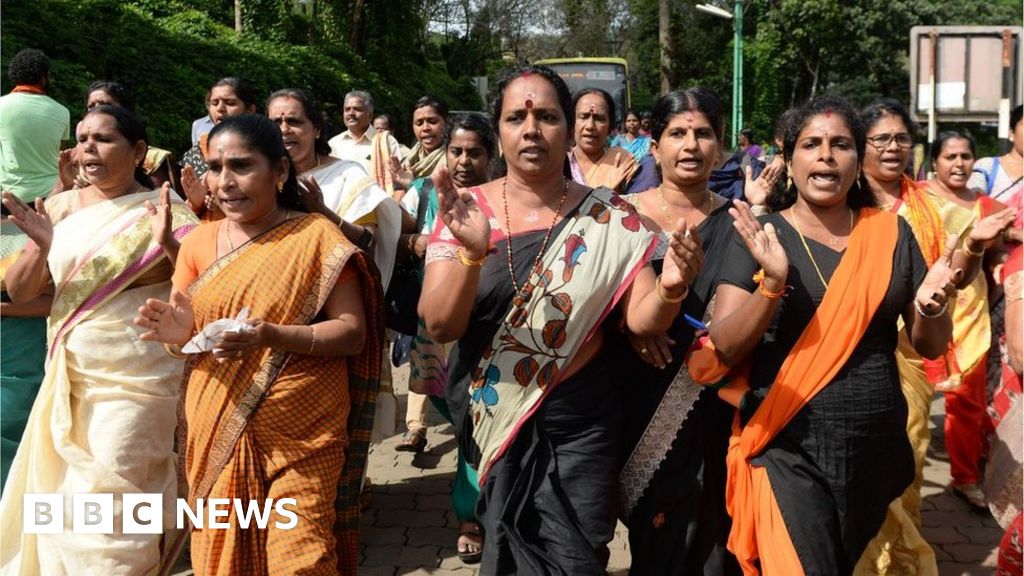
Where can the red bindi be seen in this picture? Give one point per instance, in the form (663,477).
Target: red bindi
(529,103)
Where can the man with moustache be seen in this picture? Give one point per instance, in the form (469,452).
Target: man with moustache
(357,142)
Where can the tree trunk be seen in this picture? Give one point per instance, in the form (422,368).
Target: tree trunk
(238,16)
(355,38)
(665,42)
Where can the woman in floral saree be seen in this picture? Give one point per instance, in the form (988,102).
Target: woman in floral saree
(104,419)
(283,407)
(529,389)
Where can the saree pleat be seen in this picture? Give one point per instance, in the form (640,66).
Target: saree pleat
(278,425)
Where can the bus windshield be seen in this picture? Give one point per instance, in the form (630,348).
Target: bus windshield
(610,76)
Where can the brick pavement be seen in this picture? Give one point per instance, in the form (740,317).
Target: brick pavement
(409,529)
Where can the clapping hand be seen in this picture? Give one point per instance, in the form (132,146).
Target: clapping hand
(169,322)
(34,223)
(461,214)
(683,260)
(987,230)
(160,216)
(763,244)
(939,285)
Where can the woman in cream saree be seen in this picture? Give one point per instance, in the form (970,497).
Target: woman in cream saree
(104,419)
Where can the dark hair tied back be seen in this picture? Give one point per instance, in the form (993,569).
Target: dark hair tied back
(311,108)
(133,130)
(264,136)
(784,194)
(696,99)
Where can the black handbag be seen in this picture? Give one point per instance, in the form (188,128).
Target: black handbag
(403,293)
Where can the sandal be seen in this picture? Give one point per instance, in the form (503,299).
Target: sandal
(469,552)
(413,441)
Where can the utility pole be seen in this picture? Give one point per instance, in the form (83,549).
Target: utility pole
(665,43)
(737,71)
(238,16)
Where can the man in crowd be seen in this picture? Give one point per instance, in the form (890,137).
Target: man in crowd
(32,128)
(357,142)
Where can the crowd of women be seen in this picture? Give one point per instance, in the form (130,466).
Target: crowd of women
(746,384)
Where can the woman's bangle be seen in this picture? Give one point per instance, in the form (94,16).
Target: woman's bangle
(658,288)
(412,243)
(175,351)
(924,313)
(768,293)
(467,261)
(972,253)
(312,341)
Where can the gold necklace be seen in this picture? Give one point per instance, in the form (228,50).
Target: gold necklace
(796,224)
(664,208)
(523,294)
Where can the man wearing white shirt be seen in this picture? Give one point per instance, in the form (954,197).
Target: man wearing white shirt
(356,143)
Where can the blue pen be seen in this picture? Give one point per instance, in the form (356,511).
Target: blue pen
(695,323)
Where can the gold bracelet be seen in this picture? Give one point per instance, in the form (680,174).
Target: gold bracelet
(969,252)
(412,243)
(658,288)
(175,351)
(466,261)
(312,343)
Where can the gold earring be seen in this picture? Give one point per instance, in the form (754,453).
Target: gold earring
(789,182)
(280,186)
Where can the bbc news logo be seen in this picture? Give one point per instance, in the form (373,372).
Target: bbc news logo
(144,513)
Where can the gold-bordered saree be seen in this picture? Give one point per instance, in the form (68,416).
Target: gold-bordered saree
(104,418)
(281,425)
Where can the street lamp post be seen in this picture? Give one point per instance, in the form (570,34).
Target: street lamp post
(737,60)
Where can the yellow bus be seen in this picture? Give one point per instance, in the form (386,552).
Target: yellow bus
(608,74)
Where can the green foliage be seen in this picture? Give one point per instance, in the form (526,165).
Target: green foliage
(170,54)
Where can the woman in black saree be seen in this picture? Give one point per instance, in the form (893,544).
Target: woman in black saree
(675,432)
(529,389)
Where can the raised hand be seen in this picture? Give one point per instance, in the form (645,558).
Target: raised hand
(34,223)
(756,190)
(987,230)
(401,175)
(160,216)
(461,214)
(195,191)
(311,195)
(941,281)
(169,322)
(67,167)
(762,242)
(683,260)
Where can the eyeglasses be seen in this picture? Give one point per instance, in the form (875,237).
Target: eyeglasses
(882,141)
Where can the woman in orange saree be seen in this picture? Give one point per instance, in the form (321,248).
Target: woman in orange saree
(806,489)
(281,407)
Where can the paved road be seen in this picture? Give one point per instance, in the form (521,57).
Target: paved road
(410,530)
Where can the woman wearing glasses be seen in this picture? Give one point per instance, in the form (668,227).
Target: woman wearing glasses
(898,548)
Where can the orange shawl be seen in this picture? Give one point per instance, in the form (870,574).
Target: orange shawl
(855,291)
(278,424)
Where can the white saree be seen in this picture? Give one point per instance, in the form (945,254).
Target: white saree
(106,412)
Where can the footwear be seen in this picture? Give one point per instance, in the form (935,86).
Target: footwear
(413,441)
(972,494)
(470,544)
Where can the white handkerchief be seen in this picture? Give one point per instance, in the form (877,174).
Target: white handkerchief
(209,337)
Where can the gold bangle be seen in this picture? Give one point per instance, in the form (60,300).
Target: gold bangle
(969,252)
(768,293)
(466,261)
(312,342)
(658,288)
(175,351)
